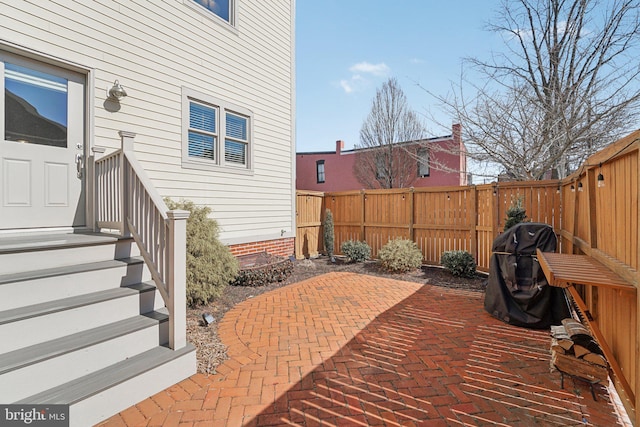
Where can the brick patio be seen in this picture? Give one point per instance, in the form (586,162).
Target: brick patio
(351,350)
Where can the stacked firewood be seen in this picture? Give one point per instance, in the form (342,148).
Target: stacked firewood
(574,351)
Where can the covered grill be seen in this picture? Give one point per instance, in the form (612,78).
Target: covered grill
(517,291)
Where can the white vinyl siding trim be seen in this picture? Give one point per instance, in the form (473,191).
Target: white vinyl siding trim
(215,134)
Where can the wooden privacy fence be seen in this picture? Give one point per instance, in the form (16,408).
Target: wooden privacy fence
(437,219)
(593,212)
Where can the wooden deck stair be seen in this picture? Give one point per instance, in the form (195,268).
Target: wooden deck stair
(82,324)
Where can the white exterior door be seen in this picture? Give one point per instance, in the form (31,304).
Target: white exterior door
(42,149)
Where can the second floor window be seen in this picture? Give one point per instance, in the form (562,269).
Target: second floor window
(320,171)
(223,9)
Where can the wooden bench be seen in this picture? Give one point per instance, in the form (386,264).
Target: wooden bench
(567,270)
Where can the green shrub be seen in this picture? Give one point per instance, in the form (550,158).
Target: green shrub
(400,255)
(269,269)
(328,234)
(210,264)
(515,214)
(459,263)
(356,251)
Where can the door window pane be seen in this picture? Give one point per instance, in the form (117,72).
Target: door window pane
(35,107)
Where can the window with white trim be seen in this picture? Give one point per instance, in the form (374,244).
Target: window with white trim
(215,133)
(223,9)
(236,142)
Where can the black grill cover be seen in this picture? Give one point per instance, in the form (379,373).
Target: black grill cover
(517,291)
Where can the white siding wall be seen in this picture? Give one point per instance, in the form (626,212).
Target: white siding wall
(154,48)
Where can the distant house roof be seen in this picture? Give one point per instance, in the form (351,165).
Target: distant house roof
(340,146)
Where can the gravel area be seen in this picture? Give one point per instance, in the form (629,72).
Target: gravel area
(211,352)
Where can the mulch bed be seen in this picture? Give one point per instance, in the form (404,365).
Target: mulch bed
(210,350)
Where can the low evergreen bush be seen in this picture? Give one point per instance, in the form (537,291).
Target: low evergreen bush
(459,263)
(268,269)
(400,255)
(210,264)
(356,251)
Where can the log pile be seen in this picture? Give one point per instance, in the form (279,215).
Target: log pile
(575,352)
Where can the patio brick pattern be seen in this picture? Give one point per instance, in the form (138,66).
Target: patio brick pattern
(343,349)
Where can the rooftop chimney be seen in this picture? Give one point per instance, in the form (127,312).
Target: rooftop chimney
(339,146)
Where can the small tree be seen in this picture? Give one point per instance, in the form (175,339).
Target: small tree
(381,161)
(515,214)
(328,235)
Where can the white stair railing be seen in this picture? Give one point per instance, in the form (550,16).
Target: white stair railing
(127,201)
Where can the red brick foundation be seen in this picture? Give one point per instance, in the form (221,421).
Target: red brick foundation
(279,247)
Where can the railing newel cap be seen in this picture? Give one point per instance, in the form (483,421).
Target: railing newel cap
(178,214)
(126,133)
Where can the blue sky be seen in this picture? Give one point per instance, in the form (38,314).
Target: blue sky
(346,49)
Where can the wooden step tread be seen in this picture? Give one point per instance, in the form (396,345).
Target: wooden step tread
(47,350)
(72,269)
(49,307)
(38,241)
(94,383)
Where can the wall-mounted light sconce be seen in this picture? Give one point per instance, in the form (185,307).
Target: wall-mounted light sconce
(580,187)
(573,188)
(600,178)
(558,189)
(448,196)
(117,92)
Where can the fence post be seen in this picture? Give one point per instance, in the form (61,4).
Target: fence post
(177,278)
(412,219)
(495,214)
(473,223)
(363,198)
(591,207)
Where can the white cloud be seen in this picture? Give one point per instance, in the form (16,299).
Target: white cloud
(346,86)
(417,61)
(380,70)
(362,75)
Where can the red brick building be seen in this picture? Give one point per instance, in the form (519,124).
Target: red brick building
(442,162)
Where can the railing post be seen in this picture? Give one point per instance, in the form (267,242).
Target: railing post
(177,278)
(126,142)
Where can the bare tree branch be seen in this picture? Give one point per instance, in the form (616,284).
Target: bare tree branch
(567,85)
